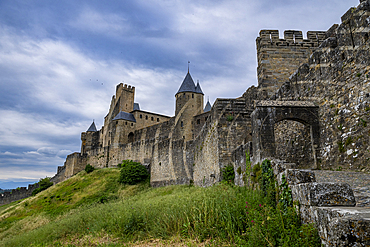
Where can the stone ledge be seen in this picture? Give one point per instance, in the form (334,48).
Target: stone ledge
(323,194)
(275,103)
(294,176)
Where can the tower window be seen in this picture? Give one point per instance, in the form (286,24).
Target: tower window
(198,121)
(146,117)
(141,116)
(152,118)
(157,119)
(192,95)
(132,124)
(182,124)
(126,123)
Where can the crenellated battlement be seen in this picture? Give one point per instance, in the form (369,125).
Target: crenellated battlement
(17,194)
(270,38)
(279,58)
(125,87)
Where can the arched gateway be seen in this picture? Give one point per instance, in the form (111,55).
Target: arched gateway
(268,113)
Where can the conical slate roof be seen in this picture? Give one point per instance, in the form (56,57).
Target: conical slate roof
(125,116)
(188,85)
(208,107)
(92,128)
(198,89)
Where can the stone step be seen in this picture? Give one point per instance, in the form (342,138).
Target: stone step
(340,226)
(323,194)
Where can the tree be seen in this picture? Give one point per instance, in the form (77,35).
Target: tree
(44,183)
(132,172)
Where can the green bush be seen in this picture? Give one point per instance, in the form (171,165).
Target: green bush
(257,174)
(268,185)
(132,172)
(44,183)
(89,168)
(230,118)
(228,174)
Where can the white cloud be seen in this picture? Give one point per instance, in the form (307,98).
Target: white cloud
(101,23)
(9,153)
(31,129)
(32,173)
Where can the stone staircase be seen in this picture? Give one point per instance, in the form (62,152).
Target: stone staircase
(327,200)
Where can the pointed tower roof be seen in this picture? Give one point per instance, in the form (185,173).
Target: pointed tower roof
(187,85)
(208,107)
(92,128)
(198,89)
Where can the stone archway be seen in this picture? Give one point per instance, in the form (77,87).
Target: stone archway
(267,113)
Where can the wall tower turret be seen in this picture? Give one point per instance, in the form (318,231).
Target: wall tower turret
(189,102)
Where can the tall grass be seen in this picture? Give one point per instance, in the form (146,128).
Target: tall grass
(224,213)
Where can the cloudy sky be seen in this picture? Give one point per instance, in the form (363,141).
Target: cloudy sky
(60,62)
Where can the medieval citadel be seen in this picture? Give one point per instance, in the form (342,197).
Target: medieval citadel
(310,107)
(310,110)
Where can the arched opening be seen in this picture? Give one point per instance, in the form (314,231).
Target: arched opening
(131,137)
(275,124)
(293,143)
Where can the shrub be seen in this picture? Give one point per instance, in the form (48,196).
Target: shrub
(268,182)
(230,118)
(89,168)
(44,183)
(228,173)
(132,172)
(257,173)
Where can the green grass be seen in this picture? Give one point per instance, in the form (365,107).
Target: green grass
(220,215)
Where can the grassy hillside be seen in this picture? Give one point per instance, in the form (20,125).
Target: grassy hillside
(95,210)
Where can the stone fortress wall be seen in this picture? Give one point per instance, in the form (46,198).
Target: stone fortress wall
(192,145)
(310,108)
(336,78)
(17,194)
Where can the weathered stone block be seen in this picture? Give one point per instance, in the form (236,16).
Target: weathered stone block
(339,226)
(294,177)
(280,166)
(323,194)
(351,230)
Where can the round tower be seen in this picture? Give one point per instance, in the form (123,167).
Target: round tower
(189,102)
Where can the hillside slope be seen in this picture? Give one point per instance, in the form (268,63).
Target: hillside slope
(95,210)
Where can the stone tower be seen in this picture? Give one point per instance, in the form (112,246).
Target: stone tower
(189,102)
(279,58)
(90,139)
(119,117)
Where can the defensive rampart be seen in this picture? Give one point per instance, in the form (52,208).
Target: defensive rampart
(336,78)
(17,194)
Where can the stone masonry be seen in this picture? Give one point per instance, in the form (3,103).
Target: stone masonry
(310,109)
